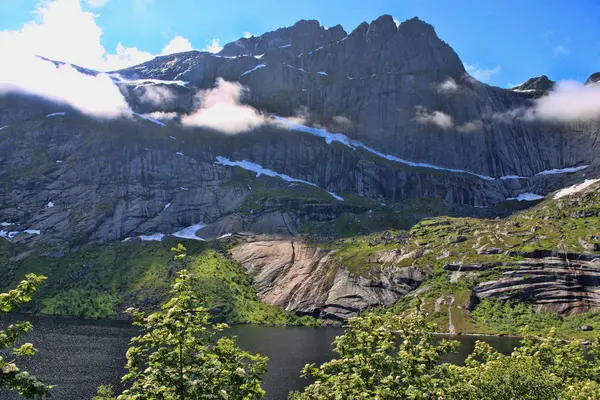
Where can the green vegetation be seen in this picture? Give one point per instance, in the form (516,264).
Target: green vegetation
(11,377)
(177,356)
(100,281)
(391,358)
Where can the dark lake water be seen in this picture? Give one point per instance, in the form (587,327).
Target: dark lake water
(78,355)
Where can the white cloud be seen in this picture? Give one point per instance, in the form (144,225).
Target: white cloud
(221,109)
(471,126)
(63,31)
(157,95)
(438,118)
(448,86)
(247,35)
(159,115)
(569,101)
(482,74)
(96,3)
(178,44)
(94,95)
(561,51)
(214,46)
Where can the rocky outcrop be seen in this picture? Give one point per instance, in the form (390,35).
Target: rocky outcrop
(535,87)
(551,281)
(296,277)
(594,78)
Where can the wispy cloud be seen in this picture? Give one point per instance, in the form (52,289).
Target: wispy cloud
(483,74)
(448,86)
(569,101)
(561,51)
(438,118)
(221,109)
(247,35)
(93,95)
(96,3)
(397,22)
(63,31)
(178,44)
(214,46)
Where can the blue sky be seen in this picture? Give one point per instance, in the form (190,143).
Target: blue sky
(504,42)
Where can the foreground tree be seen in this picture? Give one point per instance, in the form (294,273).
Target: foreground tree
(385,357)
(178,356)
(380,357)
(545,369)
(11,377)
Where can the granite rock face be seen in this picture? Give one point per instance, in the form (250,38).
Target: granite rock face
(564,283)
(308,280)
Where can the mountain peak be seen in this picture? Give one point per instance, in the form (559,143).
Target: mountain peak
(535,87)
(594,78)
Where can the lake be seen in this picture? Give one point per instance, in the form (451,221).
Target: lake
(78,355)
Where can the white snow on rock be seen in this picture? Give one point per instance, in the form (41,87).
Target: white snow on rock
(322,73)
(336,196)
(259,56)
(6,224)
(342,39)
(179,153)
(173,137)
(32,231)
(575,188)
(259,66)
(3,127)
(568,170)
(157,237)
(526,197)
(50,204)
(56,114)
(373,76)
(510,177)
(147,82)
(225,236)
(302,70)
(167,206)
(157,122)
(250,166)
(59,161)
(355,144)
(189,232)
(318,48)
(350,78)
(285,46)
(183,188)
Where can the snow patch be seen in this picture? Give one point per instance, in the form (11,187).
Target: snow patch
(342,39)
(322,73)
(3,127)
(350,78)
(59,161)
(355,144)
(317,49)
(510,177)
(225,236)
(56,114)
(166,206)
(147,82)
(285,46)
(183,188)
(189,232)
(259,66)
(6,224)
(50,204)
(568,170)
(336,196)
(302,70)
(575,188)
(179,153)
(259,170)
(526,197)
(173,137)
(157,122)
(157,237)
(32,231)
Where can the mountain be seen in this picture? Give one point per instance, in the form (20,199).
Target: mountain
(594,78)
(357,133)
(535,87)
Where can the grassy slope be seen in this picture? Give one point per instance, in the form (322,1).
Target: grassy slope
(571,223)
(101,281)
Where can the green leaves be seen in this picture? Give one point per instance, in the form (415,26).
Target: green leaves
(11,377)
(177,355)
